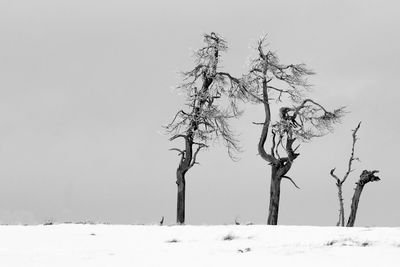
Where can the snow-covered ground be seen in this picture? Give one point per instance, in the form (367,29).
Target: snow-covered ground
(73,245)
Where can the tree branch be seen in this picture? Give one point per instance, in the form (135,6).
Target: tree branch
(277,147)
(302,105)
(199,146)
(273,144)
(239,84)
(290,179)
(334,176)
(177,149)
(177,136)
(181,153)
(351,159)
(281,91)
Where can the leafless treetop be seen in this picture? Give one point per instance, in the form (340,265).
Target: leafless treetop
(304,118)
(204,120)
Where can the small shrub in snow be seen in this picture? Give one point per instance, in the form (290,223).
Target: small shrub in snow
(331,243)
(229,237)
(348,242)
(172,241)
(244,250)
(365,244)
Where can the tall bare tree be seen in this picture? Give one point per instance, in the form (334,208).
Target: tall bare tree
(204,120)
(339,182)
(270,81)
(365,177)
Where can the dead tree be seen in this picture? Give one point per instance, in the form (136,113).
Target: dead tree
(339,182)
(365,177)
(203,120)
(268,80)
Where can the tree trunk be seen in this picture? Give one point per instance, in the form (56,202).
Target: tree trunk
(365,177)
(341,210)
(181,183)
(274,195)
(354,204)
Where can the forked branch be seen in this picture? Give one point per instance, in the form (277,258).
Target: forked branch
(199,146)
(351,159)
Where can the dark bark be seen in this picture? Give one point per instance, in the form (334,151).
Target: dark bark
(279,166)
(264,132)
(181,183)
(365,177)
(354,205)
(274,196)
(278,172)
(185,164)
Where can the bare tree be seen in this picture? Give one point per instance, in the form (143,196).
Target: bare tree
(203,120)
(268,80)
(339,182)
(365,177)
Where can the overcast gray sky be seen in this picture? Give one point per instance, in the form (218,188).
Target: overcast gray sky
(86,85)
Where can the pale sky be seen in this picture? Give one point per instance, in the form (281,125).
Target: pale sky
(85,87)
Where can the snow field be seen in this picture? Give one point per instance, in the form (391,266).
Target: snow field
(73,245)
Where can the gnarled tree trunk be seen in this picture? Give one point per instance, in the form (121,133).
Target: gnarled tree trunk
(187,161)
(279,166)
(274,196)
(365,177)
(354,205)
